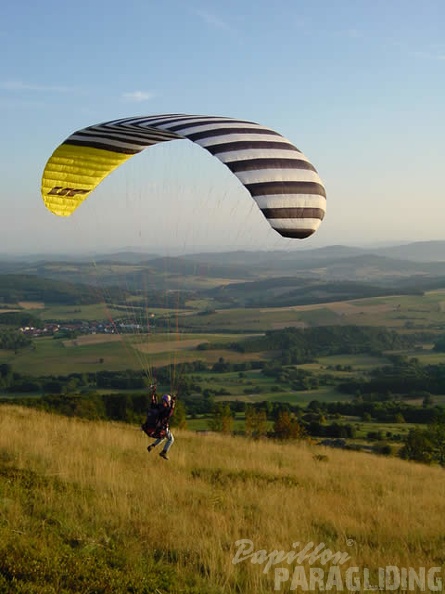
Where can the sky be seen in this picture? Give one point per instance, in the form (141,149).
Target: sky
(357,85)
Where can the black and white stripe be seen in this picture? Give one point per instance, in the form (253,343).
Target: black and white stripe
(282,181)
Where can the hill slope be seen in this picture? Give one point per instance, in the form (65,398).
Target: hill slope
(85,508)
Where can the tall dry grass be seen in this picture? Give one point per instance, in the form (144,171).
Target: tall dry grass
(98,487)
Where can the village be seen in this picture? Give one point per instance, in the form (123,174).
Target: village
(78,327)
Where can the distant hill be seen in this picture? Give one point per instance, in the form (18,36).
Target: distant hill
(429,251)
(16,287)
(278,259)
(290,291)
(420,251)
(389,266)
(340,262)
(188,266)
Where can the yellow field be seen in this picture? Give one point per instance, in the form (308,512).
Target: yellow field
(340,307)
(214,491)
(89,339)
(143,343)
(24,305)
(32,304)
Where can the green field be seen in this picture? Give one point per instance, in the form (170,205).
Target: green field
(405,312)
(118,352)
(64,313)
(206,336)
(358,362)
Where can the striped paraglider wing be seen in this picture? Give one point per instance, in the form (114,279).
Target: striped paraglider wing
(281,180)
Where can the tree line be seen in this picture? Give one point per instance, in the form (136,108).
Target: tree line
(403,376)
(303,346)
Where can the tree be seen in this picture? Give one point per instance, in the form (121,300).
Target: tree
(427,401)
(439,345)
(179,419)
(436,433)
(287,427)
(53,386)
(222,419)
(14,340)
(5,374)
(418,446)
(256,422)
(71,386)
(221,366)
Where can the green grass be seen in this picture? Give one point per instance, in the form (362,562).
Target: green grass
(361,362)
(51,356)
(300,397)
(201,423)
(398,312)
(363,428)
(64,313)
(426,356)
(403,312)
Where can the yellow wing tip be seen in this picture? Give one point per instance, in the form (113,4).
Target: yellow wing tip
(63,201)
(72,173)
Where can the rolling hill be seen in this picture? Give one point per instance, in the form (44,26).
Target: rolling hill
(240,278)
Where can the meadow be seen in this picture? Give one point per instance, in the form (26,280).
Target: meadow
(84,508)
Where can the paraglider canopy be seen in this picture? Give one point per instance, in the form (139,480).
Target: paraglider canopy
(281,180)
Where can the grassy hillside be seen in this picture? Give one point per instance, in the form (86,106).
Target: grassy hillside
(84,508)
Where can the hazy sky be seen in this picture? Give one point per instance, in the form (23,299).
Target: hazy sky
(357,85)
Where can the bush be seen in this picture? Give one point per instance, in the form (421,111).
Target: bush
(384,449)
(418,447)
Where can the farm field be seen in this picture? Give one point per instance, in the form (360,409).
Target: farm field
(253,386)
(376,311)
(188,335)
(77,312)
(91,353)
(401,312)
(96,352)
(118,352)
(404,312)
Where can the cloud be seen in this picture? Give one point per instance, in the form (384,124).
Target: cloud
(18,85)
(213,20)
(430,55)
(137,96)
